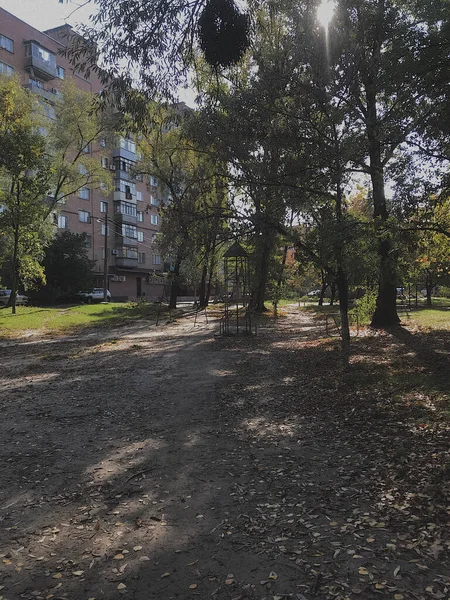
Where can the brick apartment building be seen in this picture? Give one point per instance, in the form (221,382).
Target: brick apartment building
(134,264)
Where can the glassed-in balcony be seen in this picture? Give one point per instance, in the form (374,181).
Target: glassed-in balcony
(39,61)
(126,256)
(49,96)
(126,149)
(125,212)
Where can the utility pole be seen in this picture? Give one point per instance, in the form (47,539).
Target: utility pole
(105,259)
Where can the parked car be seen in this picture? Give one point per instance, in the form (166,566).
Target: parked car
(313,293)
(4,298)
(96,295)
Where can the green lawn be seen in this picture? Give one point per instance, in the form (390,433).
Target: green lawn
(436,317)
(433,318)
(67,319)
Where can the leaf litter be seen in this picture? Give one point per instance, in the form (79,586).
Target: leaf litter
(326,483)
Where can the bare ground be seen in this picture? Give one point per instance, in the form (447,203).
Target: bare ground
(164,463)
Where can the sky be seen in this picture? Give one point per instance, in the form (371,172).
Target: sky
(45,14)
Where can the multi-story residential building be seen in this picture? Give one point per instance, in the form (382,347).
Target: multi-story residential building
(134,264)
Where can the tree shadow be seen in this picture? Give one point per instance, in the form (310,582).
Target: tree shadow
(171,461)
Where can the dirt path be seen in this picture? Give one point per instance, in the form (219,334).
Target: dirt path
(167,464)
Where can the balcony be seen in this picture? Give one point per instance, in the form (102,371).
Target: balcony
(124,197)
(47,95)
(121,261)
(125,218)
(124,153)
(40,62)
(123,240)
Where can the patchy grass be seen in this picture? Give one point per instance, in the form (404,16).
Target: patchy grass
(432,318)
(68,319)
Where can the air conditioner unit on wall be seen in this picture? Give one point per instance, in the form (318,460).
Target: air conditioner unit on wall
(114,278)
(122,277)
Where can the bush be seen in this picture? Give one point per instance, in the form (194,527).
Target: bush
(444,292)
(365,307)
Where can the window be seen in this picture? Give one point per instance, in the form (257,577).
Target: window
(156,259)
(82,169)
(36,82)
(103,207)
(153,181)
(88,241)
(103,229)
(128,144)
(154,219)
(141,257)
(84,216)
(140,236)
(62,222)
(125,208)
(60,72)
(83,193)
(122,164)
(127,252)
(129,231)
(154,236)
(140,216)
(125,187)
(104,162)
(154,201)
(139,196)
(6,69)
(102,142)
(139,177)
(6,43)
(87,149)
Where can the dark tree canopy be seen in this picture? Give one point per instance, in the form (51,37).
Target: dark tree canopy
(149,44)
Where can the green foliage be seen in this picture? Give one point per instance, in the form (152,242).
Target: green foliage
(365,307)
(25,172)
(67,266)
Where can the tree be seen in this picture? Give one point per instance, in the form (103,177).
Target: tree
(25,171)
(431,252)
(390,104)
(74,127)
(194,213)
(156,57)
(67,266)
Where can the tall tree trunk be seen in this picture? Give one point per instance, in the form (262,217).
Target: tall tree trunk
(342,286)
(385,314)
(263,250)
(212,265)
(429,288)
(202,298)
(333,287)
(323,289)
(15,278)
(174,286)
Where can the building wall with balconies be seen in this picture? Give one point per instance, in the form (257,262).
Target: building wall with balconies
(35,58)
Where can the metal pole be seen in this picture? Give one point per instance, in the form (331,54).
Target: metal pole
(105,258)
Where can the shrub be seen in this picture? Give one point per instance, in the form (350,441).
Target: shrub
(365,307)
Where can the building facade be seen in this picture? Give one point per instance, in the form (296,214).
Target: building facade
(129,215)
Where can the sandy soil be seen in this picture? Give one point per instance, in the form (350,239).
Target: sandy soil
(166,463)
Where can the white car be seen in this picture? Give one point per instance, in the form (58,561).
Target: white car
(96,295)
(4,298)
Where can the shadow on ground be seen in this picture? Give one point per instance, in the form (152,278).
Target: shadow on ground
(172,465)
